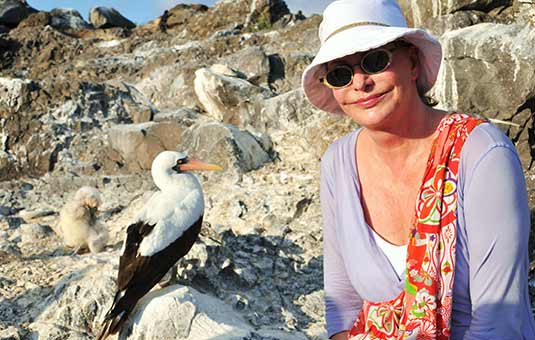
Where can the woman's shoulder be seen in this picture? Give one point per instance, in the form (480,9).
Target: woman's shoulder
(341,145)
(484,140)
(339,156)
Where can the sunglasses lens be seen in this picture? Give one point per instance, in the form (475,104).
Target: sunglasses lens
(339,76)
(375,61)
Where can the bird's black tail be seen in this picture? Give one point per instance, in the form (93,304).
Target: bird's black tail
(114,319)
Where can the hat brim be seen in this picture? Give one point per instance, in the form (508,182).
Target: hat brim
(364,38)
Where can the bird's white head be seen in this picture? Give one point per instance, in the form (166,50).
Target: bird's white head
(169,164)
(89,197)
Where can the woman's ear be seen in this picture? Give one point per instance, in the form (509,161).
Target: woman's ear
(415,63)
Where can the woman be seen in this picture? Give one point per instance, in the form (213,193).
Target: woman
(456,266)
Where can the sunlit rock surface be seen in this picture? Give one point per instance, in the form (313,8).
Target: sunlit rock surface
(92,106)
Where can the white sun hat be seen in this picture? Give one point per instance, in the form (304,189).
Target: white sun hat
(351,26)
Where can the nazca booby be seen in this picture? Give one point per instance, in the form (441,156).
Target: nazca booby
(162,233)
(78,224)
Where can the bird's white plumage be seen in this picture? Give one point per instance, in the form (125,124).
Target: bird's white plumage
(173,209)
(78,224)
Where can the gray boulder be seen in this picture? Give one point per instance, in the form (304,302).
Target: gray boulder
(24,141)
(31,232)
(237,151)
(500,57)
(139,107)
(68,18)
(94,104)
(138,144)
(287,111)
(473,53)
(12,12)
(35,134)
(524,11)
(252,63)
(78,302)
(8,166)
(449,22)
(169,86)
(10,333)
(418,12)
(179,312)
(15,95)
(264,13)
(227,98)
(287,67)
(107,17)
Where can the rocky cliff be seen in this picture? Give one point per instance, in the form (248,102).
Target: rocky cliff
(91,103)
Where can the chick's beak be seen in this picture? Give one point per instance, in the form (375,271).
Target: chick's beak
(194,164)
(93,210)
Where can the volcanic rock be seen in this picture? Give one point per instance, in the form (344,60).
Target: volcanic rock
(418,12)
(7,166)
(472,53)
(37,19)
(227,98)
(138,144)
(264,13)
(77,301)
(68,19)
(251,63)
(107,17)
(182,312)
(12,12)
(237,151)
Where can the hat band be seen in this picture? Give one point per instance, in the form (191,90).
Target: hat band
(355,24)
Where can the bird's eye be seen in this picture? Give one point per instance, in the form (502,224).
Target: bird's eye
(182,161)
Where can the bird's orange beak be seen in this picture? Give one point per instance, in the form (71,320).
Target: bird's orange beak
(194,164)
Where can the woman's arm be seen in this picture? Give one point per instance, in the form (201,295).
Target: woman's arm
(497,224)
(342,303)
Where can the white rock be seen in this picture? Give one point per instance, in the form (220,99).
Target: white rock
(169,86)
(179,312)
(109,44)
(31,232)
(138,144)
(78,302)
(251,62)
(12,91)
(237,151)
(10,333)
(228,99)
(223,70)
(68,18)
(106,17)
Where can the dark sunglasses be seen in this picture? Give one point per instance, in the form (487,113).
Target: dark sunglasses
(373,62)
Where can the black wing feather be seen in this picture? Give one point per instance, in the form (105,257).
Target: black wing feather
(138,274)
(130,262)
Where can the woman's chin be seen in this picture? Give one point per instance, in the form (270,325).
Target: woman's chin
(372,118)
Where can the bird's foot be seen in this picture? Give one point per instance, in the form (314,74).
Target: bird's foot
(79,251)
(76,251)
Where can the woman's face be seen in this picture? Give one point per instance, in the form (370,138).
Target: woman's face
(379,101)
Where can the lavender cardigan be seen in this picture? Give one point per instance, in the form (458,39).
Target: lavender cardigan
(490,295)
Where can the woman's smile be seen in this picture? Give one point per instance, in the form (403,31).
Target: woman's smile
(370,101)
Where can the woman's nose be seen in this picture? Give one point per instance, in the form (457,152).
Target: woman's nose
(360,79)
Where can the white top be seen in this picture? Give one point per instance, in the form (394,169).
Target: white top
(397,255)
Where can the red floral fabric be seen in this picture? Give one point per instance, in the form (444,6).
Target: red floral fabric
(422,311)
